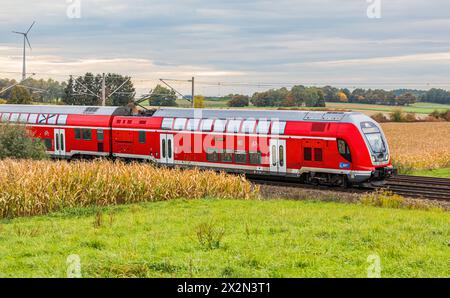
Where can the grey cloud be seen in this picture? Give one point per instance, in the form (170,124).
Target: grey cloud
(286,40)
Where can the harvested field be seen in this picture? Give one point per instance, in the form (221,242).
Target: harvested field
(419,145)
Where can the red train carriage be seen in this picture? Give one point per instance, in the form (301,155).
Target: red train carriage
(67,131)
(322,147)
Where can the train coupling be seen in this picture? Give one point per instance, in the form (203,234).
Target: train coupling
(381,174)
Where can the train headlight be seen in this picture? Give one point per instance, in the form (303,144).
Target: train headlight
(387,157)
(374,159)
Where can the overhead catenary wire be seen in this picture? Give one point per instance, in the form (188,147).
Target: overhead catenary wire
(242,87)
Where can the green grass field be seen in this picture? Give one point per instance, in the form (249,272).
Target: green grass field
(261,239)
(419,108)
(440,173)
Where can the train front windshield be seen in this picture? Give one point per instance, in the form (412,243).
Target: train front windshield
(374,137)
(376,142)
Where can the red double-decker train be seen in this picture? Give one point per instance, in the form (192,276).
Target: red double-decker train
(332,148)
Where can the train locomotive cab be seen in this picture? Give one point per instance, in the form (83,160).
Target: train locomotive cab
(368,150)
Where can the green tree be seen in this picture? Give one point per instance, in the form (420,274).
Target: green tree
(86,90)
(297,95)
(358,95)
(69,97)
(238,100)
(125,90)
(406,99)
(437,96)
(162,96)
(270,98)
(19,95)
(17,142)
(330,94)
(313,97)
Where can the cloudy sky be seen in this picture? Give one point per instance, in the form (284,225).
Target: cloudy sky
(246,45)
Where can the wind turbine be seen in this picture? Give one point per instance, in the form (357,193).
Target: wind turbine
(25,40)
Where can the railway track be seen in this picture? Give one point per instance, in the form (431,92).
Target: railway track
(420,187)
(408,186)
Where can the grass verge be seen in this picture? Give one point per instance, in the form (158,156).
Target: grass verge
(439,173)
(228,238)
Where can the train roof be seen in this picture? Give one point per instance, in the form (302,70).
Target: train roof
(281,115)
(72,110)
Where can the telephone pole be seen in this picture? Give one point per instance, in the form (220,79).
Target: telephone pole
(103,90)
(193,91)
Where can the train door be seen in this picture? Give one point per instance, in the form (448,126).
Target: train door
(166,148)
(277,156)
(60,142)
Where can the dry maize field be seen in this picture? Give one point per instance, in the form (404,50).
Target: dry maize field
(38,187)
(419,145)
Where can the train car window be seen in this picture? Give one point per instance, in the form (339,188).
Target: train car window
(142,137)
(274,155)
(32,118)
(212,155)
(192,124)
(14,117)
(62,119)
(180,123)
(100,135)
(248,126)
(255,158)
(42,119)
(61,137)
(318,154)
(169,148)
(87,134)
(344,150)
(5,117)
(240,157)
(207,124)
(278,127)
(227,156)
(23,118)
(263,127)
(167,123)
(163,153)
(281,154)
(57,142)
(234,126)
(219,125)
(77,134)
(52,119)
(307,154)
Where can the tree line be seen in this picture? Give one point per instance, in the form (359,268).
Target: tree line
(32,90)
(317,96)
(87,90)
